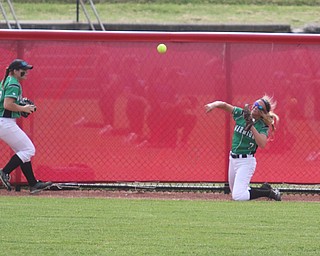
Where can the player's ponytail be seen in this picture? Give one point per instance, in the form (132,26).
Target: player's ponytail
(270,118)
(5,77)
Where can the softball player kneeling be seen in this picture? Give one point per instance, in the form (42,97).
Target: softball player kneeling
(242,162)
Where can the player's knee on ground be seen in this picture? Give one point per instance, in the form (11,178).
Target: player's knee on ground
(241,196)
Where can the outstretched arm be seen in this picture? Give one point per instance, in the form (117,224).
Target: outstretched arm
(219,104)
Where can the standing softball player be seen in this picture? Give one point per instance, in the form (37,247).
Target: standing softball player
(252,128)
(10,132)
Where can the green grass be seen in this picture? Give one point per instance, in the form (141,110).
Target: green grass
(92,226)
(297,13)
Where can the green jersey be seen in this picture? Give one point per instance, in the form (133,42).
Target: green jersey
(243,141)
(10,89)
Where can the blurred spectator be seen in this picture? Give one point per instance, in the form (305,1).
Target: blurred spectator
(107,98)
(169,113)
(135,110)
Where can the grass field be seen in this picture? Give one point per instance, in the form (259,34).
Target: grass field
(297,13)
(97,226)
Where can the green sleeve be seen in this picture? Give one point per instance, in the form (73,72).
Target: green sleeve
(12,91)
(237,112)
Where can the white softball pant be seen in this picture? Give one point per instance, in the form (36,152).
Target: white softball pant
(17,139)
(240,173)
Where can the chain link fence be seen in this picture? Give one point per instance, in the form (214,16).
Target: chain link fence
(112,110)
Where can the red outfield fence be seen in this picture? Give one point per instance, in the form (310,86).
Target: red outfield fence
(110,108)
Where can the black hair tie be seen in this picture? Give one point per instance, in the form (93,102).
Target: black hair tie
(268,107)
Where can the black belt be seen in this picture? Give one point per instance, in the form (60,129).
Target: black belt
(241,155)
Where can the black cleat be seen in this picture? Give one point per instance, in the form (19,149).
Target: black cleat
(275,194)
(40,186)
(4,177)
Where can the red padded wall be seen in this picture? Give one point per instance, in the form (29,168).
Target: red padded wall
(111,108)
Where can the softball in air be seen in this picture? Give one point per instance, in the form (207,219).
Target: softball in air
(161,48)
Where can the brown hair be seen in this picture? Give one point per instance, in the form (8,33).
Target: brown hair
(5,76)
